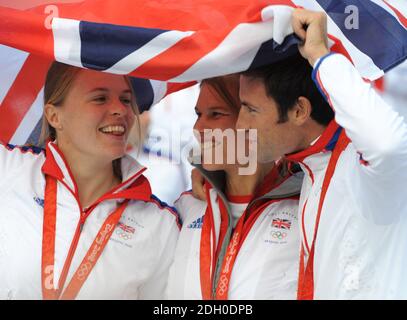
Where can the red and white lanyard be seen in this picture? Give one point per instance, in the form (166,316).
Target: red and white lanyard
(208,250)
(48,248)
(306,273)
(209,255)
(235,243)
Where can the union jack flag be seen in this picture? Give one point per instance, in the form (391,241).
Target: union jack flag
(281,223)
(167,45)
(125,227)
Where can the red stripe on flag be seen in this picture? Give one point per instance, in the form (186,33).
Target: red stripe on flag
(187,52)
(191,49)
(22,95)
(26,31)
(174,87)
(401,17)
(339,47)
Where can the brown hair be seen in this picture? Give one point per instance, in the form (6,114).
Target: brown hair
(227,88)
(58,83)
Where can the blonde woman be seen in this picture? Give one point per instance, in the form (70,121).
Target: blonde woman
(78,220)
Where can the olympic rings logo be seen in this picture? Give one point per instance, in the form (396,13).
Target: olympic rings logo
(84,270)
(124,235)
(278,235)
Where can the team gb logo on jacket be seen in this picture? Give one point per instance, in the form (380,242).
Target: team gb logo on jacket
(279,228)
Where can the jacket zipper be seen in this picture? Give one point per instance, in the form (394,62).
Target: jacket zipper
(71,252)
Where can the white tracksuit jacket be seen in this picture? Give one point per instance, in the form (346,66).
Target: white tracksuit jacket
(134,264)
(361,246)
(266,266)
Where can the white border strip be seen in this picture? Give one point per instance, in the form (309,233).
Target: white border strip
(237,51)
(363,62)
(29,121)
(67,41)
(12,61)
(150,50)
(384,6)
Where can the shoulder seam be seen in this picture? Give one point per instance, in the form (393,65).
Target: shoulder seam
(25,149)
(188,192)
(162,205)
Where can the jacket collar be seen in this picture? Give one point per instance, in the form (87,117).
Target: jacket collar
(134,185)
(316,156)
(289,187)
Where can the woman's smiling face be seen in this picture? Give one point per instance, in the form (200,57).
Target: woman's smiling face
(214,112)
(96,116)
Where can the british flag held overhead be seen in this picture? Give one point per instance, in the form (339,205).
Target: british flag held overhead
(281,223)
(173,43)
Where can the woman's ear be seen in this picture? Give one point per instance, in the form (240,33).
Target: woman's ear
(301,112)
(53,116)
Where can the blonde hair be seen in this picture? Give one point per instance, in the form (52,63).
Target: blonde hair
(58,83)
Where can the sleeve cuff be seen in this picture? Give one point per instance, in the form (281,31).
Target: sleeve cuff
(318,63)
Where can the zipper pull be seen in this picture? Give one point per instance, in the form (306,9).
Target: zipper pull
(81,222)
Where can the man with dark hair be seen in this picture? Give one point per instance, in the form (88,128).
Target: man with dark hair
(288,80)
(353,210)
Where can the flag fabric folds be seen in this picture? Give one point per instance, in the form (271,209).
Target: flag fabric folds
(167,45)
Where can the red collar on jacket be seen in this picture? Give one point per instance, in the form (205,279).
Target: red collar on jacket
(326,142)
(134,185)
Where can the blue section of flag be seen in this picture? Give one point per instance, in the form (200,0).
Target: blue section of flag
(381,37)
(144,93)
(34,138)
(384,29)
(270,51)
(103,45)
